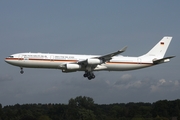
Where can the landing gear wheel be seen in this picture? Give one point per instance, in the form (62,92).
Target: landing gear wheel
(89,75)
(85,75)
(93,76)
(21,71)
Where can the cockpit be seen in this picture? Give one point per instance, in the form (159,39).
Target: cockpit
(10,56)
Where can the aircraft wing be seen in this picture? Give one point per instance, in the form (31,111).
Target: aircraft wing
(109,56)
(102,58)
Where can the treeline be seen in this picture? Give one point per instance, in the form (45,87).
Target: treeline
(84,108)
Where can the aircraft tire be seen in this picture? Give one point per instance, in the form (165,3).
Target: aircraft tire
(85,75)
(93,76)
(89,77)
(21,72)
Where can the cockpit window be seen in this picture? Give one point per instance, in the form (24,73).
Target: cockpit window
(11,56)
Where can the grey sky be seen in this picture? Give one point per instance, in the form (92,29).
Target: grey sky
(88,27)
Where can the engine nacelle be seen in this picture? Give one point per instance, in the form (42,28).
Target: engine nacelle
(94,61)
(73,66)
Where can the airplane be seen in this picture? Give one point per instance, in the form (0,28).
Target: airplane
(89,63)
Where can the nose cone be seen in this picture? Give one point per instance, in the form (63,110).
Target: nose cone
(11,60)
(7,60)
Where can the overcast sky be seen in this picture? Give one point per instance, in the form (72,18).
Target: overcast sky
(88,27)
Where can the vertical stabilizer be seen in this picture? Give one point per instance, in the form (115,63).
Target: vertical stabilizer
(160,48)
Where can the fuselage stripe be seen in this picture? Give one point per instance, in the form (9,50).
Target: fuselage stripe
(55,60)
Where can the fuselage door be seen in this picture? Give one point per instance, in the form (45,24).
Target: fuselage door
(20,57)
(26,58)
(51,58)
(139,60)
(23,57)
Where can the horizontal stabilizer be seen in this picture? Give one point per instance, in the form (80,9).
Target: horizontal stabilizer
(163,60)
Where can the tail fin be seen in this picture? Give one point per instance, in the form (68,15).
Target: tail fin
(160,48)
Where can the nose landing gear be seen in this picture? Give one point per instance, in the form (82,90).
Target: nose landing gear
(21,71)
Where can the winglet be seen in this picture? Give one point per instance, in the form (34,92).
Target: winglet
(123,49)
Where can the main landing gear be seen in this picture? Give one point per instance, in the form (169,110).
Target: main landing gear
(21,71)
(89,75)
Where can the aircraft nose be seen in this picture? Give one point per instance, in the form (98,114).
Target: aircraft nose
(10,59)
(6,60)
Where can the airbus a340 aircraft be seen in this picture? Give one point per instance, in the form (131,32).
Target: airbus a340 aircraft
(90,63)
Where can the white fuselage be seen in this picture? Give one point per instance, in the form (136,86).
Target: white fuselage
(90,63)
(56,61)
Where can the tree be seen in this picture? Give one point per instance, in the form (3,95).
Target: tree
(81,108)
(161,108)
(85,102)
(44,117)
(1,112)
(85,114)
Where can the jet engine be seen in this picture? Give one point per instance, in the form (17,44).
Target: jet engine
(73,66)
(94,61)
